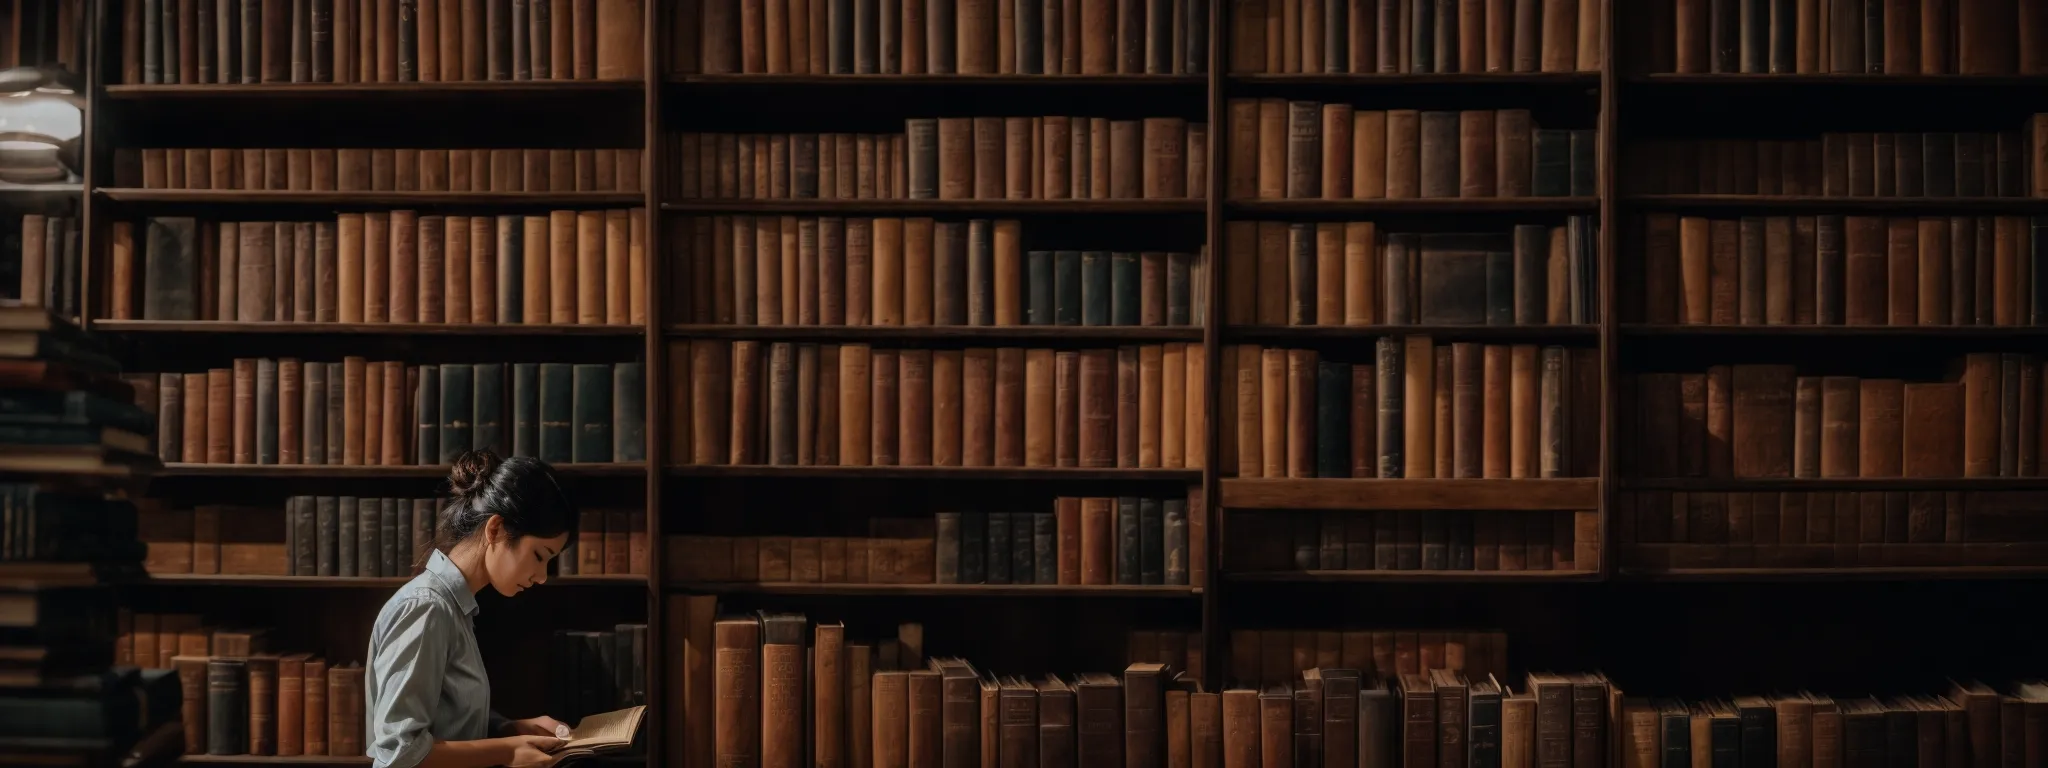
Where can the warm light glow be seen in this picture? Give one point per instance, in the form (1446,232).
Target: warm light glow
(41,114)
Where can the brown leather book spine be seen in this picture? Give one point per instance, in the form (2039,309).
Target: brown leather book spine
(1009,430)
(855,385)
(1097,540)
(737,724)
(884,398)
(1273,391)
(1478,173)
(744,422)
(198,402)
(1881,448)
(1098,408)
(589,278)
(1338,164)
(1039,408)
(1419,410)
(1300,426)
(1982,399)
(244,424)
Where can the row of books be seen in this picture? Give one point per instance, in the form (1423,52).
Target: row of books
(897,551)
(380,41)
(380,169)
(324,536)
(1660,530)
(240,696)
(1304,149)
(1409,540)
(1835,165)
(580,267)
(33,34)
(751,402)
(799,270)
(1414,36)
(1354,273)
(265,411)
(1900,37)
(1499,411)
(1970,723)
(954,158)
(771,37)
(1844,270)
(1260,657)
(48,271)
(591,672)
(51,522)
(1770,421)
(1179,649)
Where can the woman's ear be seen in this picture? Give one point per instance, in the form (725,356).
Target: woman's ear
(494,530)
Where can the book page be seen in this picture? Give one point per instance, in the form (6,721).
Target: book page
(610,729)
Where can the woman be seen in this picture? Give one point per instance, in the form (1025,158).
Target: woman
(427,699)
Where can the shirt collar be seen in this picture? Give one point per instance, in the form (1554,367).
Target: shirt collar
(450,580)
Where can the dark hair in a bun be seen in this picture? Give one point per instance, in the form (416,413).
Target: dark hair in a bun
(521,490)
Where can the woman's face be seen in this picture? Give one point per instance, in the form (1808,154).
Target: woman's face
(516,564)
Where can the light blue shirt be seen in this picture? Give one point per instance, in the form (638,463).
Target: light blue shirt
(426,679)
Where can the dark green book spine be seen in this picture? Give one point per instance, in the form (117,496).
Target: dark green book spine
(322,41)
(1725,737)
(1128,552)
(973,547)
(997,558)
(1500,284)
(427,406)
(526,409)
(1531,256)
(629,411)
(458,409)
(1180,303)
(1387,423)
(1066,287)
(511,288)
(923,140)
(1023,549)
(1333,419)
(227,701)
(1045,548)
(1301,282)
(326,534)
(946,546)
(1336,37)
(171,271)
(409,40)
(1553,171)
(949,272)
(266,411)
(1175,522)
(346,516)
(1095,285)
(388,530)
(305,532)
(981,270)
(1422,37)
(593,414)
(1038,288)
(369,537)
(1151,542)
(489,432)
(1676,725)
(1030,24)
(1124,284)
(1873,35)
(1585,161)
(557,412)
(1484,722)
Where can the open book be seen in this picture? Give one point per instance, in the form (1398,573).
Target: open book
(601,733)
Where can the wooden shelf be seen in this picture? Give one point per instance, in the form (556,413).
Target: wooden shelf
(1843,204)
(1841,331)
(366,198)
(1234,333)
(1331,577)
(974,81)
(1579,493)
(183,580)
(1024,333)
(1459,79)
(938,590)
(623,469)
(1856,78)
(1417,205)
(934,473)
(964,207)
(1880,573)
(367,91)
(380,329)
(1835,484)
(273,760)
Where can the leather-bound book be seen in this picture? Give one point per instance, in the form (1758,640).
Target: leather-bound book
(1880,435)
(738,680)
(1478,174)
(227,706)
(915,407)
(1439,154)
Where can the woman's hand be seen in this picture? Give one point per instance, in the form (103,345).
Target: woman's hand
(535,726)
(532,751)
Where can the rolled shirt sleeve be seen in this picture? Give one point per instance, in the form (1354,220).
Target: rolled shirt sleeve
(408,666)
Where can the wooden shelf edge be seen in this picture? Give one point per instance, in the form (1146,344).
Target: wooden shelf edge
(1569,494)
(1852,78)
(1283,332)
(938,332)
(374,470)
(1714,484)
(931,473)
(1899,573)
(1418,205)
(986,207)
(1837,331)
(857,80)
(1336,577)
(364,197)
(185,580)
(939,590)
(130,91)
(1819,202)
(1591,78)
(365,329)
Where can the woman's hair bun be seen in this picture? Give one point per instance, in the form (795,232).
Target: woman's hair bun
(472,470)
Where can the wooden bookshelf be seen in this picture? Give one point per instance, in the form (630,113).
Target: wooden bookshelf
(136,196)
(892,207)
(1838,204)
(931,473)
(343,471)
(1111,591)
(227,327)
(1021,334)
(1446,205)
(1344,493)
(1412,576)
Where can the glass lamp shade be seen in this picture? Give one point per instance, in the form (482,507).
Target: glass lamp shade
(39,131)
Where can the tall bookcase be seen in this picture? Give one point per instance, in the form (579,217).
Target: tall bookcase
(1051,627)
